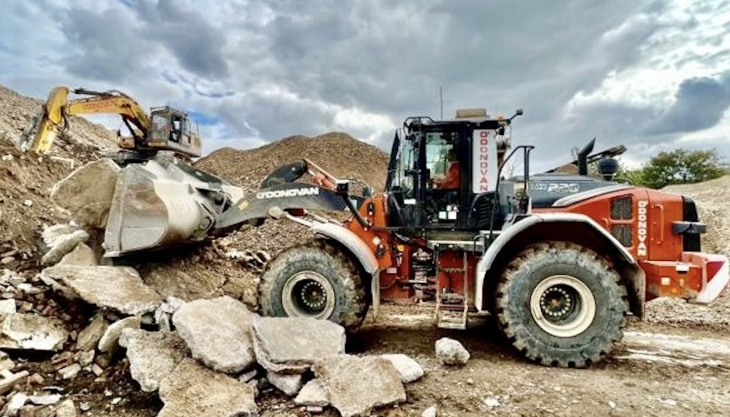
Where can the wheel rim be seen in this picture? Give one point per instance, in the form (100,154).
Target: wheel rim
(308,294)
(563,306)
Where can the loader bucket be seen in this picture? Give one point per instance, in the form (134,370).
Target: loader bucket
(154,208)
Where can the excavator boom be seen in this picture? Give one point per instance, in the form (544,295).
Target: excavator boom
(41,134)
(164,129)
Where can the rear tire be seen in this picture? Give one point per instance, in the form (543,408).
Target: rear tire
(315,280)
(561,304)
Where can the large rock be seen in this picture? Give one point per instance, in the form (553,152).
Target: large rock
(409,369)
(193,390)
(117,288)
(291,344)
(32,332)
(109,341)
(152,355)
(451,352)
(218,333)
(171,282)
(87,192)
(90,336)
(356,385)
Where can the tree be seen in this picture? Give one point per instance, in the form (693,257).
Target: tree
(679,166)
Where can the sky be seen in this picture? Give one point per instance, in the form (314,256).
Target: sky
(651,75)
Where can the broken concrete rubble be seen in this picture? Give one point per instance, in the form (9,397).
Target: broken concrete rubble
(289,384)
(67,408)
(171,282)
(152,355)
(378,383)
(409,369)
(87,192)
(193,390)
(313,394)
(163,314)
(32,332)
(63,245)
(52,233)
(7,307)
(118,288)
(290,345)
(218,333)
(89,337)
(109,341)
(82,255)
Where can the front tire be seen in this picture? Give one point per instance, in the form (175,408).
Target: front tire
(561,304)
(316,280)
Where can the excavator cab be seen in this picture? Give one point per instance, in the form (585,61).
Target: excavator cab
(171,130)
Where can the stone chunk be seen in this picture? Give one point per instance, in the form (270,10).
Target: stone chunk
(409,369)
(194,390)
(90,336)
(52,233)
(7,307)
(87,192)
(82,255)
(32,332)
(451,352)
(64,245)
(356,385)
(313,394)
(109,341)
(171,282)
(67,408)
(218,333)
(289,384)
(292,344)
(152,355)
(117,288)
(70,372)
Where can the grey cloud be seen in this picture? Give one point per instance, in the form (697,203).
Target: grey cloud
(196,43)
(109,50)
(699,104)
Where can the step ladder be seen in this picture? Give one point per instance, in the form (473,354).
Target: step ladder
(452,308)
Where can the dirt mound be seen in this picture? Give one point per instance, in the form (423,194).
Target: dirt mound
(338,153)
(26,179)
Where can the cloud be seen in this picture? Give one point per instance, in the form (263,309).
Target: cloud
(196,44)
(642,73)
(700,104)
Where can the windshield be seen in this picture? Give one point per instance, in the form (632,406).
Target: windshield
(440,153)
(405,162)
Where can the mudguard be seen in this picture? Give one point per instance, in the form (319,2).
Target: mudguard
(360,250)
(256,206)
(522,226)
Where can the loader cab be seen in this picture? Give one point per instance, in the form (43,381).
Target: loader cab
(443,174)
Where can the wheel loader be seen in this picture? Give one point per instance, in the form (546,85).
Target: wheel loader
(450,230)
(559,266)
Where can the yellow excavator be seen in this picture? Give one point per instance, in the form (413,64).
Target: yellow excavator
(165,128)
(145,195)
